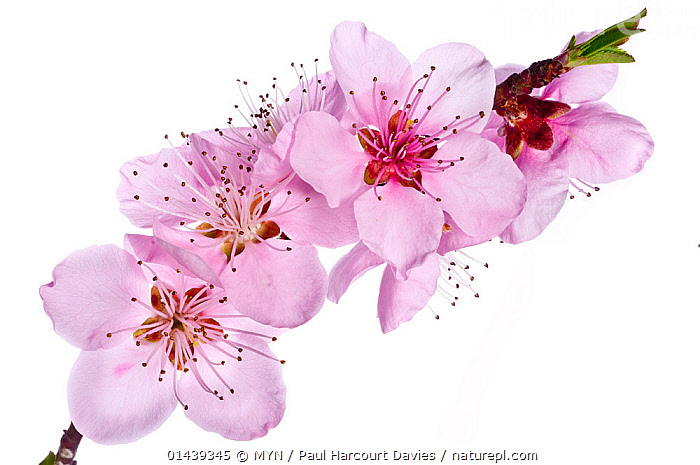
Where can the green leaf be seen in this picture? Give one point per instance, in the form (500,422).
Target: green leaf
(603,47)
(49,460)
(608,55)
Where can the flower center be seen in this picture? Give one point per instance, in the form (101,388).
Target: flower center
(397,155)
(246,224)
(526,120)
(178,321)
(394,140)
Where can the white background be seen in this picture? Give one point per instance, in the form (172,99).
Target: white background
(584,344)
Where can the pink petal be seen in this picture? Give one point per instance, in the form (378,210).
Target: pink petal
(583,83)
(601,145)
(492,129)
(273,163)
(482,193)
(112,399)
(314,222)
(145,248)
(350,267)
(547,188)
(193,251)
(403,228)
(455,238)
(278,288)
(327,91)
(400,300)
(91,294)
(357,57)
(467,73)
(258,401)
(328,157)
(147,181)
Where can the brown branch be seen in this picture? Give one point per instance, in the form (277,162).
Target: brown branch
(69,446)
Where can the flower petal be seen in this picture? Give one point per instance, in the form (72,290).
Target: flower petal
(314,222)
(601,145)
(357,57)
(277,288)
(470,78)
(583,83)
(190,249)
(328,157)
(400,300)
(258,401)
(146,248)
(112,399)
(351,266)
(453,238)
(403,228)
(146,182)
(483,192)
(323,88)
(91,294)
(547,188)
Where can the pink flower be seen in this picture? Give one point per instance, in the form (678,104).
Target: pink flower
(404,156)
(212,213)
(153,336)
(590,143)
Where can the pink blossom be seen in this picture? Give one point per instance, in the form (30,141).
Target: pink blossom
(406,154)
(210,211)
(592,144)
(153,336)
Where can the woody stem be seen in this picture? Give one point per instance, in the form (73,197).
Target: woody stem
(69,446)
